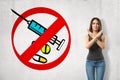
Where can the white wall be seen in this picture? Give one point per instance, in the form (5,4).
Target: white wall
(77,14)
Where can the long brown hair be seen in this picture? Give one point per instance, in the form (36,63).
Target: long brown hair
(99,23)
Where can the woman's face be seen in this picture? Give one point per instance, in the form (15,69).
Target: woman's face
(95,25)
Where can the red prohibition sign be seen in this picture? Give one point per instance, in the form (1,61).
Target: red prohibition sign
(42,40)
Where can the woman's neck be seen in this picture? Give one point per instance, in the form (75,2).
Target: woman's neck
(94,32)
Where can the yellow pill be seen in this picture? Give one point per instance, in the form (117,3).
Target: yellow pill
(43,60)
(46,49)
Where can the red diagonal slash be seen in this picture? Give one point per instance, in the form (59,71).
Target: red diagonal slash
(42,40)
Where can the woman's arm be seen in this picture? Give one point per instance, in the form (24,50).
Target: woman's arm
(95,39)
(89,43)
(102,43)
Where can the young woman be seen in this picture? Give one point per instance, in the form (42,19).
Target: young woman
(95,41)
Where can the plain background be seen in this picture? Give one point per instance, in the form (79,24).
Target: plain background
(77,14)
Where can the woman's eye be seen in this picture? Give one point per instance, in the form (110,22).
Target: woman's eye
(95,23)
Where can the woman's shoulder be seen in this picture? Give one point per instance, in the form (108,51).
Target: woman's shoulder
(103,36)
(87,35)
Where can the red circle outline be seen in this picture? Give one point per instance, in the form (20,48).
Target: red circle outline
(41,66)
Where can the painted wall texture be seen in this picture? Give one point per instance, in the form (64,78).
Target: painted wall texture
(77,14)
